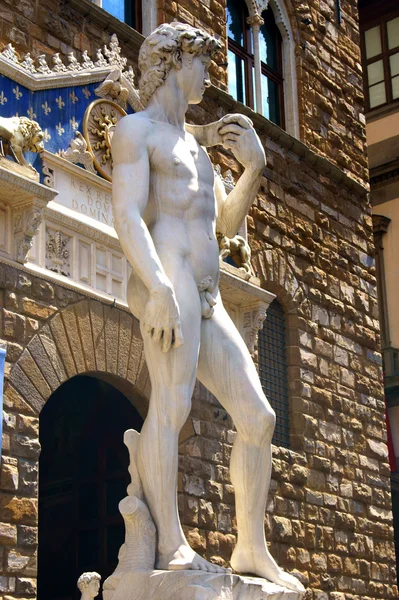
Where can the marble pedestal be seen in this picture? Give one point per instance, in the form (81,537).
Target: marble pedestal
(195,585)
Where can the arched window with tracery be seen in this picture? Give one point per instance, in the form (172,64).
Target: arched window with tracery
(241,61)
(273,369)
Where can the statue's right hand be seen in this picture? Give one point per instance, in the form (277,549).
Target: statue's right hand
(162,318)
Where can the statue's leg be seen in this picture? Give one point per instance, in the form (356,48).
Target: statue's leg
(227,370)
(172,380)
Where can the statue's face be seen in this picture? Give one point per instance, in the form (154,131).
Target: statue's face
(194,76)
(94,587)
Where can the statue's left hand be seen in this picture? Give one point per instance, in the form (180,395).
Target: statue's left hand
(239,136)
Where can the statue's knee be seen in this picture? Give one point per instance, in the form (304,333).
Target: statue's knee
(259,427)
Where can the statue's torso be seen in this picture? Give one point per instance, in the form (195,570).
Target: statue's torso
(181,209)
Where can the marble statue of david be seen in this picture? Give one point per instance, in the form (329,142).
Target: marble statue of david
(167,207)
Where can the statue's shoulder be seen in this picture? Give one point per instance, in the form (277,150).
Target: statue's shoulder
(138,123)
(131,132)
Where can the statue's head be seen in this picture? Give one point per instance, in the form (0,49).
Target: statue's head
(172,45)
(89,583)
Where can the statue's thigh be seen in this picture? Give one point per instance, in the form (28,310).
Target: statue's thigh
(178,366)
(226,368)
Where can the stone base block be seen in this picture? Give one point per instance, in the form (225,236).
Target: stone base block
(195,585)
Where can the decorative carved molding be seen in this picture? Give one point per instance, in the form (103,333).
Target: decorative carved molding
(38,74)
(49,176)
(380,225)
(59,219)
(77,153)
(58,252)
(255,21)
(256,7)
(27,218)
(252,324)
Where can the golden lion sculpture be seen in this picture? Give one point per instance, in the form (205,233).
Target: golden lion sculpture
(19,134)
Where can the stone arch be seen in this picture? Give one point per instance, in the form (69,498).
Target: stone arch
(90,338)
(277,274)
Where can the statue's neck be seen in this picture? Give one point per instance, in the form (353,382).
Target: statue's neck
(85,596)
(168,104)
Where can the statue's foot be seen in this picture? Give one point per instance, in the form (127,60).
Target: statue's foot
(263,565)
(186,558)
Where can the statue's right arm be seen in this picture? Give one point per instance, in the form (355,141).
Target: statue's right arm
(130,189)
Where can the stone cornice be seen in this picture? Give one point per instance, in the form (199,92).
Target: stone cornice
(22,190)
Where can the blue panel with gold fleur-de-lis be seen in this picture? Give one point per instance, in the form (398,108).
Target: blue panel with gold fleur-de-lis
(59,111)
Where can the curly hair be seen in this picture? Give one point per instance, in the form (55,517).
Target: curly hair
(163,48)
(86,578)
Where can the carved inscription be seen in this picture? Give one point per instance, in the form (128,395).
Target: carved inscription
(89,200)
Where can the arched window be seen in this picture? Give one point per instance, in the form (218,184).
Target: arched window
(273,369)
(241,61)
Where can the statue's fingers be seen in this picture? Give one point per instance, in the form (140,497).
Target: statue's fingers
(178,335)
(230,137)
(240,119)
(230,144)
(167,339)
(232,128)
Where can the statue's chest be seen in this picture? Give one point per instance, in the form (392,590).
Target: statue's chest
(181,160)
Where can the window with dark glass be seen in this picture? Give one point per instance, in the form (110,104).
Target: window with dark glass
(241,74)
(128,11)
(273,369)
(380,48)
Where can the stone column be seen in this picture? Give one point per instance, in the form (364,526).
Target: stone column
(255,22)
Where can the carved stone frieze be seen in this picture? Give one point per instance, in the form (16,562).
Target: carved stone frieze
(39,73)
(58,252)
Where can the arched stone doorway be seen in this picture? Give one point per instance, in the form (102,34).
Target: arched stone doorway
(83,474)
(85,339)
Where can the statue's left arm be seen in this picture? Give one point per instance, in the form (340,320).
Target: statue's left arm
(236,133)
